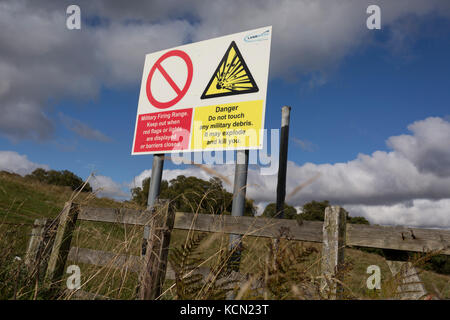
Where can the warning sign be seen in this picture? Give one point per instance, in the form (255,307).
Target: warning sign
(209,95)
(231,76)
(227,126)
(163,131)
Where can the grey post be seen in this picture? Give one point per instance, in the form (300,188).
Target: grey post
(282,164)
(61,245)
(334,234)
(154,190)
(35,244)
(154,265)
(238,207)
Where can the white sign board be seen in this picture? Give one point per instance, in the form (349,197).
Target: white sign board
(208,95)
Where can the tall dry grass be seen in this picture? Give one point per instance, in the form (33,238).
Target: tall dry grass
(200,264)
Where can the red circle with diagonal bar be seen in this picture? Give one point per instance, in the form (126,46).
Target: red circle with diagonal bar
(180,92)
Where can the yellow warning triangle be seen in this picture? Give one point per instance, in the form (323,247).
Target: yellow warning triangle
(231,77)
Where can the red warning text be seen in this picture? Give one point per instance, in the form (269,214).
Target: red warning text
(163,131)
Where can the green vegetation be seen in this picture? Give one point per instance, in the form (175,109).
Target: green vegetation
(315,211)
(439,264)
(191,194)
(291,274)
(59,178)
(312,211)
(270,211)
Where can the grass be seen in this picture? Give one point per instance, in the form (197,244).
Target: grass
(22,201)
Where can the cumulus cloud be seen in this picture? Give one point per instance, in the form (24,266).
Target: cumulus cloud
(42,62)
(11,161)
(107,187)
(383,177)
(414,213)
(401,179)
(428,148)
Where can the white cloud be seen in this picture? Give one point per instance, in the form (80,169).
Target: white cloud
(415,213)
(392,177)
(428,148)
(11,161)
(122,48)
(260,207)
(105,186)
(42,61)
(382,180)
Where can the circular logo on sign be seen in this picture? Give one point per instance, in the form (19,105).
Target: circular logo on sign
(179,92)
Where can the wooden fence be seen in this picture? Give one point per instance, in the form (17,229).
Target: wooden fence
(333,233)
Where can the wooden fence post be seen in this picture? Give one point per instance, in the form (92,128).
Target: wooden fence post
(36,243)
(154,267)
(334,228)
(61,245)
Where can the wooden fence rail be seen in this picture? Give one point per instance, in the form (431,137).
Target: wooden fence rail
(123,262)
(371,236)
(334,233)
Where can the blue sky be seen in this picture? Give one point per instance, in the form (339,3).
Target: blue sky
(348,97)
(373,95)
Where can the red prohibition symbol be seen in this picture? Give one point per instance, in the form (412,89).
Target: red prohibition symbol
(180,92)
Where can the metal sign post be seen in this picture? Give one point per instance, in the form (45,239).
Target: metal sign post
(282,164)
(154,191)
(155,180)
(238,208)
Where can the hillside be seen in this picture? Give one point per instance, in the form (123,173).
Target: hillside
(23,200)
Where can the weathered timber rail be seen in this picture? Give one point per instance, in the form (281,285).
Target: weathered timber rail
(372,236)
